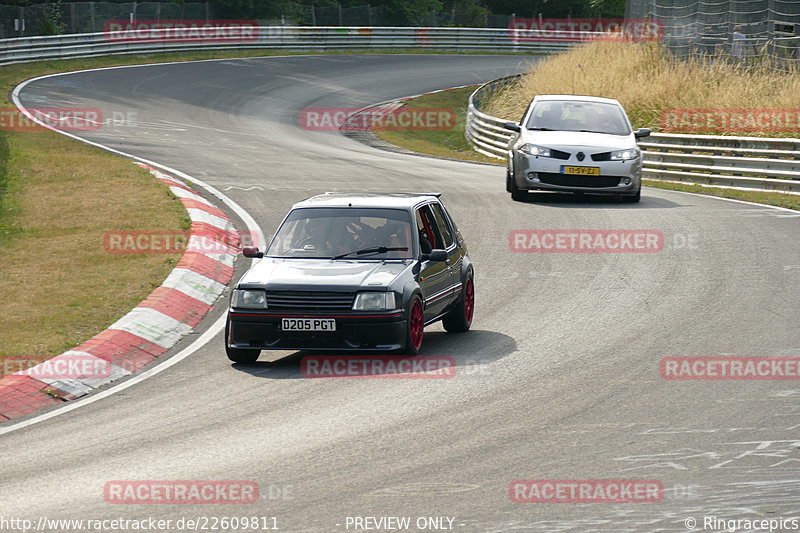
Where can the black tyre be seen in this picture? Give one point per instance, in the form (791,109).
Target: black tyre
(239,355)
(459,318)
(517,194)
(415,324)
(634,198)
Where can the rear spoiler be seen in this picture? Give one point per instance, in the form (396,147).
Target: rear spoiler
(436,194)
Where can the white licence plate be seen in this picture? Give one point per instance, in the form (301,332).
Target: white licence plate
(308,324)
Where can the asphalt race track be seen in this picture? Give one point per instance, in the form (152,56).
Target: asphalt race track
(559,378)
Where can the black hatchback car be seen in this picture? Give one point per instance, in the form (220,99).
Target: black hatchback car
(362,271)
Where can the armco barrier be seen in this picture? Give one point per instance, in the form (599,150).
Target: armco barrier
(741,162)
(26,49)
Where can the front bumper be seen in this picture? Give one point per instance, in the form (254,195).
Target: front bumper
(262,331)
(544,173)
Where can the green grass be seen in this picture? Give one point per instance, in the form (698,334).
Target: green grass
(449,143)
(788,201)
(58,197)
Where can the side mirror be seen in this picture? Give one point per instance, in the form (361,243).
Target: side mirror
(641,132)
(435,255)
(513,126)
(252,251)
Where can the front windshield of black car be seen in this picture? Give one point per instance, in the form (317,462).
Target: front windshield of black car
(562,115)
(330,232)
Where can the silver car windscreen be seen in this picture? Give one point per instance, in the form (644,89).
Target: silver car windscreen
(562,115)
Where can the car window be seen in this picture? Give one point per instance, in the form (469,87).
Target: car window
(443,225)
(557,115)
(328,232)
(426,228)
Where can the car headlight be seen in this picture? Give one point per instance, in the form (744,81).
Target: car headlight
(535,149)
(374,301)
(249,299)
(624,155)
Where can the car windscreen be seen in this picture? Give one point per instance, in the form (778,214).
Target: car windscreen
(562,115)
(330,232)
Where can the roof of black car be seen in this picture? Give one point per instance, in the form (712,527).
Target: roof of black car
(402,200)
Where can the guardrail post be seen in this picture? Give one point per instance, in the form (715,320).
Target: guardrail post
(72,17)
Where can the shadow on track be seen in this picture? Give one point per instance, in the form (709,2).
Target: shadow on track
(593,201)
(471,352)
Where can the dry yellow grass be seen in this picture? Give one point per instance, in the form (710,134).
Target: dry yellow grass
(646,79)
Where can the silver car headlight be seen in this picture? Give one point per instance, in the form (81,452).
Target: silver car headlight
(535,149)
(374,301)
(624,155)
(249,299)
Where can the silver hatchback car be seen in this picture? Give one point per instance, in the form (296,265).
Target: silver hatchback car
(582,144)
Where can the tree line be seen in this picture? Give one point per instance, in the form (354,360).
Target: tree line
(406,12)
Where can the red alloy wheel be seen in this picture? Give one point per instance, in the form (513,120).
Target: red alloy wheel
(469,301)
(416,326)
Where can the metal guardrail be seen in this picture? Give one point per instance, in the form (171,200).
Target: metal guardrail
(741,162)
(26,49)
(485,132)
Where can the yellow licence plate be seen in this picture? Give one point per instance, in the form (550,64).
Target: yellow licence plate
(582,171)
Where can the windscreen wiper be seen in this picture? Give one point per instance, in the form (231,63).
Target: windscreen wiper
(376,250)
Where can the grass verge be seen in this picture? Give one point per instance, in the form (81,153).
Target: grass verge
(58,197)
(447,143)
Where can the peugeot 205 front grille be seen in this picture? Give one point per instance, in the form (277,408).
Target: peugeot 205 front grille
(310,301)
